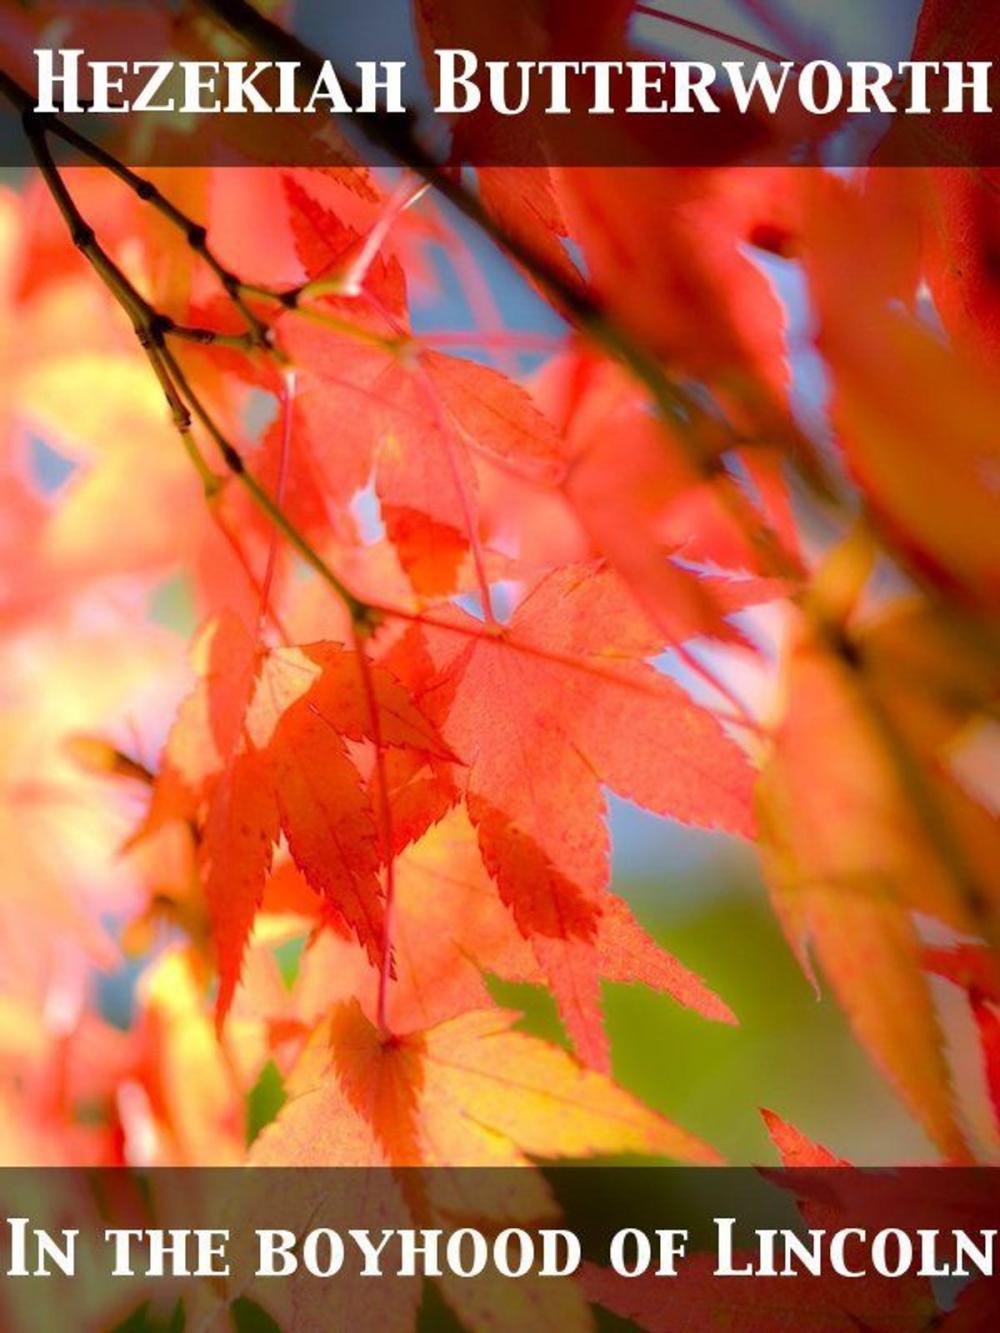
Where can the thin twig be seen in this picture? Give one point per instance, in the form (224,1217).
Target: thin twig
(702,436)
(386,831)
(150,329)
(704,30)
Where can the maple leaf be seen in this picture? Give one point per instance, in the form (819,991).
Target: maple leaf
(898,393)
(469,1092)
(422,417)
(695,299)
(426,418)
(545,710)
(263,745)
(449,929)
(849,853)
(648,509)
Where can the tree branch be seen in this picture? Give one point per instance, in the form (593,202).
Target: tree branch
(150,329)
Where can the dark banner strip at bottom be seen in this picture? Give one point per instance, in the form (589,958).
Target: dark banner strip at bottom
(654,1248)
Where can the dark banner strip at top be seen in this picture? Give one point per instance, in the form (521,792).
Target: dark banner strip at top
(757,1251)
(216,82)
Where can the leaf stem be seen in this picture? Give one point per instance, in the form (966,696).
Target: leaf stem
(385,824)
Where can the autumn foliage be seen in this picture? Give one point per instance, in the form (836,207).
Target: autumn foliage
(330,625)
